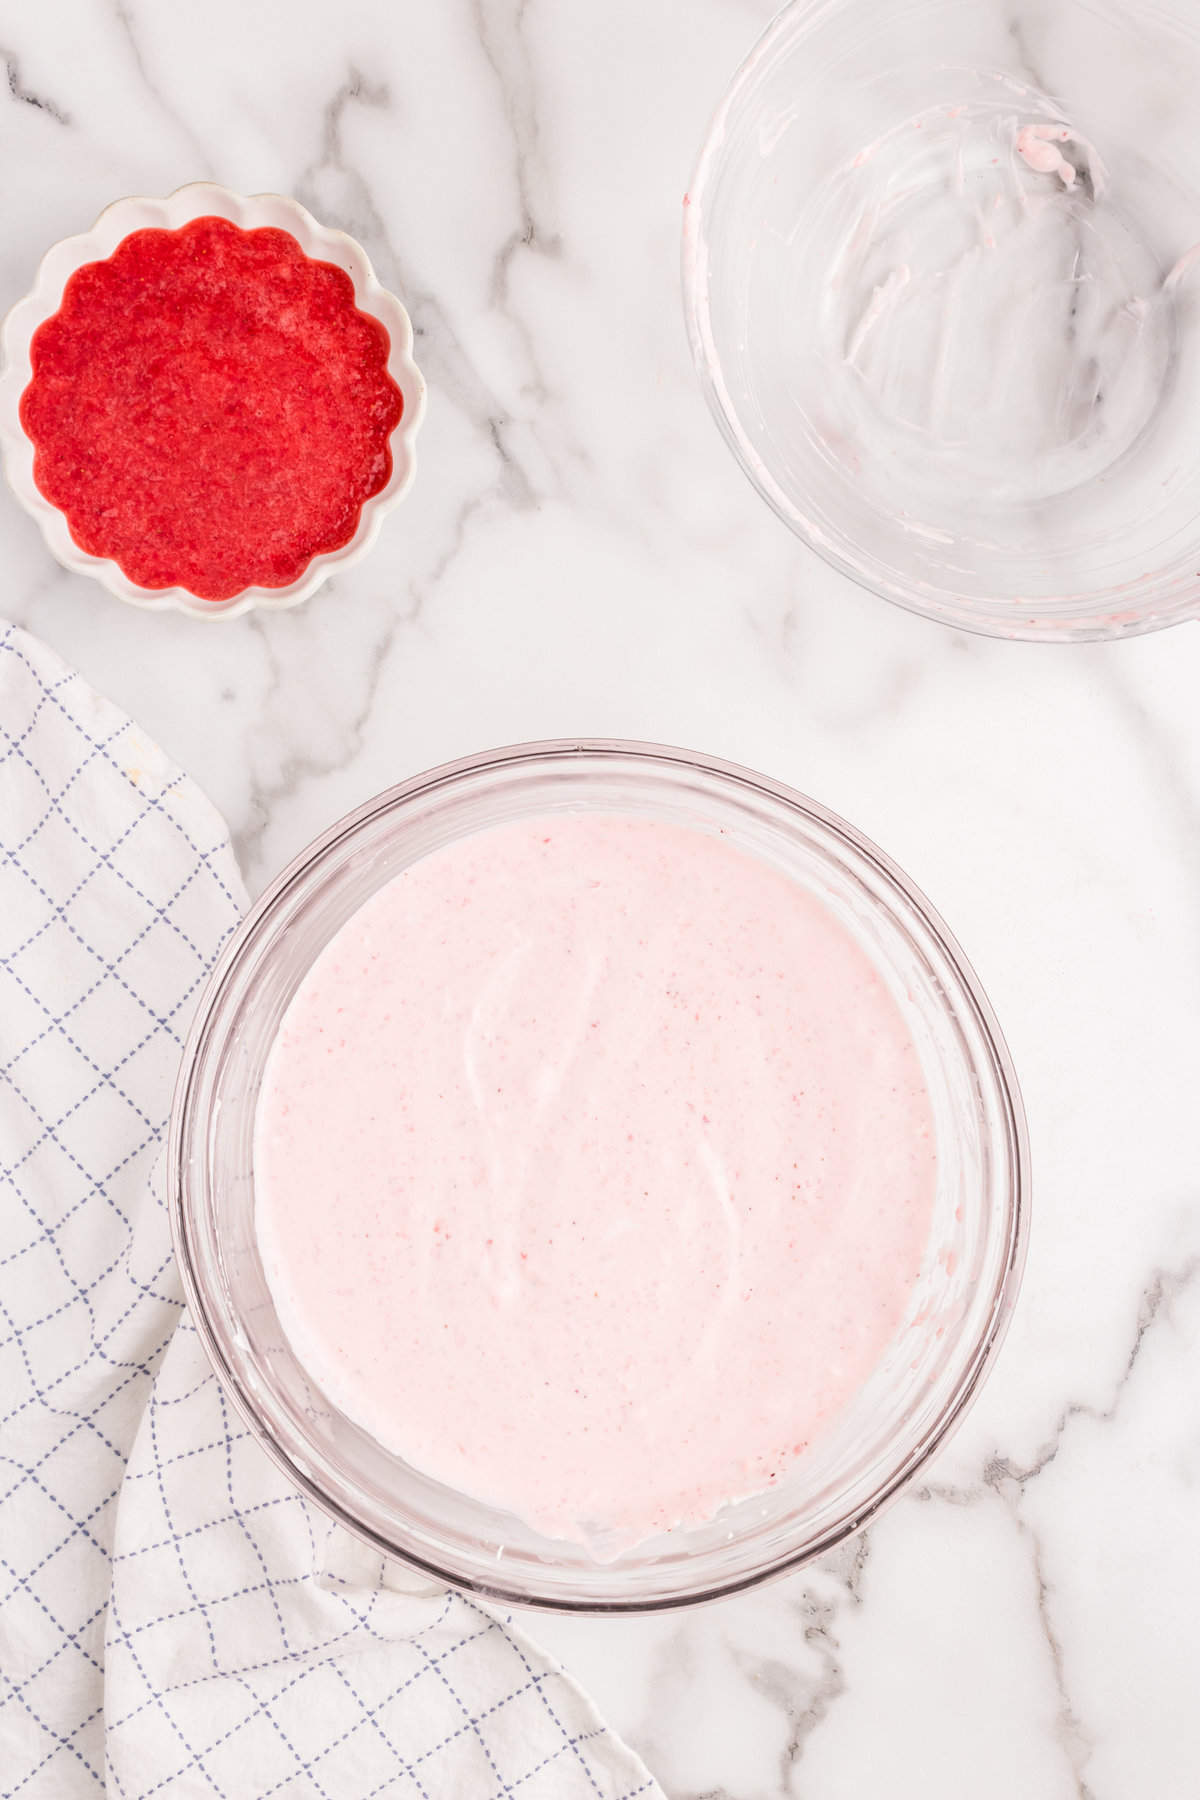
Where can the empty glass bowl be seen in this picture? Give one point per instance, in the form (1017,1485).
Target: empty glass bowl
(958,1311)
(942,282)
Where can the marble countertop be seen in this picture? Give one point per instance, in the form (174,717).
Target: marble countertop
(580,555)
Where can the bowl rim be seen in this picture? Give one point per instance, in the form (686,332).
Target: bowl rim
(1013,1151)
(998,616)
(195,200)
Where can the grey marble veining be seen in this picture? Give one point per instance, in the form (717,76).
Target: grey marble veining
(579,554)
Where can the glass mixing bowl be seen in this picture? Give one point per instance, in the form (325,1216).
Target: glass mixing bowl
(942,282)
(958,1311)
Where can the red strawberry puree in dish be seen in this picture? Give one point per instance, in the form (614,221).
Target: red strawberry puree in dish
(594,1168)
(210,409)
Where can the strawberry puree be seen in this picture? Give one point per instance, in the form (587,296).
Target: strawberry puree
(210,409)
(595,1169)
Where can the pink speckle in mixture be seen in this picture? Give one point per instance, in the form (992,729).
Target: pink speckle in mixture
(617,1185)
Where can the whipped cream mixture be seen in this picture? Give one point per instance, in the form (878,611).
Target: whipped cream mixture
(594,1171)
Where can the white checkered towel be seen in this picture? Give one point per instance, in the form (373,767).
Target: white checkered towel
(174,1619)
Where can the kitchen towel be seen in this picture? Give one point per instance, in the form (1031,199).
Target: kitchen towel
(175,1620)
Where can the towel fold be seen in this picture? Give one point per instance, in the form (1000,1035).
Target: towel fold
(175,1619)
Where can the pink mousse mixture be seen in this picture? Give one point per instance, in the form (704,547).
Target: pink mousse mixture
(595,1168)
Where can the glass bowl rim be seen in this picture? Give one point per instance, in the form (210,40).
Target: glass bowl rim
(1012,1154)
(993,617)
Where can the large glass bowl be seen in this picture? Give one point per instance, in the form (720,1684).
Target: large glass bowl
(958,1312)
(942,282)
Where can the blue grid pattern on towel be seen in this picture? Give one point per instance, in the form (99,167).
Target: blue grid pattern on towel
(174,1618)
(97,867)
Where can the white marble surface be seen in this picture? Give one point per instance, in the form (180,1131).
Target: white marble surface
(580,555)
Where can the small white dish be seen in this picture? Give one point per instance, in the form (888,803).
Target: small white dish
(203,199)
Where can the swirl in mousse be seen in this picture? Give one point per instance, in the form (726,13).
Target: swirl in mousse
(594,1171)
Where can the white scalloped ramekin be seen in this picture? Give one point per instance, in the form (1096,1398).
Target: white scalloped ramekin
(203,199)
